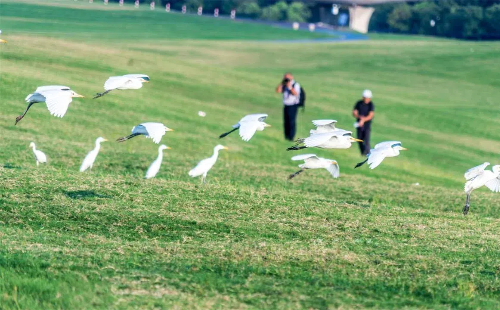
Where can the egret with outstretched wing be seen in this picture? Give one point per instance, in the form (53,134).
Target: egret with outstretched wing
(311,161)
(477,177)
(128,81)
(336,139)
(323,125)
(382,151)
(155,131)
(248,125)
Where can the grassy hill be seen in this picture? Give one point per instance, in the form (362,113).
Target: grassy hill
(248,238)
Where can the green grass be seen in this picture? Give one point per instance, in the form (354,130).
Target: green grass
(248,239)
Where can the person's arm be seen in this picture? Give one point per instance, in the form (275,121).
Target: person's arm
(355,113)
(292,89)
(369,117)
(279,88)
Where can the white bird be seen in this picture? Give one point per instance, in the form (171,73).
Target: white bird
(323,125)
(336,139)
(155,165)
(56,97)
(311,161)
(380,152)
(248,125)
(128,81)
(206,164)
(477,177)
(89,160)
(40,156)
(155,131)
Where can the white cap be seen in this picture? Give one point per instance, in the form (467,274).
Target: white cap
(367,93)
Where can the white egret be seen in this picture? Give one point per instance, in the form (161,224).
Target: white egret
(336,139)
(248,125)
(89,160)
(206,164)
(128,81)
(380,152)
(56,97)
(311,161)
(155,165)
(477,177)
(323,125)
(155,131)
(40,156)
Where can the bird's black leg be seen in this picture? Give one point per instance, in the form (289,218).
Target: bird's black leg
(123,139)
(20,117)
(226,133)
(361,163)
(101,94)
(295,174)
(467,205)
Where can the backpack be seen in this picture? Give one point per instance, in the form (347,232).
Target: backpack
(302,98)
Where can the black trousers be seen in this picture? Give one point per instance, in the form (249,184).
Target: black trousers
(364,134)
(289,120)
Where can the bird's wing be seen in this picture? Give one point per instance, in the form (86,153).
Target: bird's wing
(88,161)
(41,157)
(57,101)
(376,157)
(474,172)
(253,118)
(334,170)
(155,131)
(318,139)
(303,156)
(386,144)
(153,169)
(325,122)
(51,87)
(494,185)
(247,130)
(115,82)
(202,167)
(135,76)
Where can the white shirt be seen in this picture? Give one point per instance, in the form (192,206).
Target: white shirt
(288,97)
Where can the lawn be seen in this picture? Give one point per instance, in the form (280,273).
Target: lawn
(248,239)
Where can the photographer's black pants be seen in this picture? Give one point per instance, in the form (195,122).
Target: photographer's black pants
(364,134)
(289,118)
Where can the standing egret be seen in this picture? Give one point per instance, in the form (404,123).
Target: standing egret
(311,161)
(88,161)
(128,81)
(477,177)
(40,156)
(381,151)
(155,131)
(206,164)
(336,139)
(56,97)
(155,166)
(323,125)
(248,125)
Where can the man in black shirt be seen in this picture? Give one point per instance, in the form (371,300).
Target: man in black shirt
(364,112)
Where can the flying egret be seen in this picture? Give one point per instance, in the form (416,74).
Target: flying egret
(248,125)
(477,177)
(206,164)
(155,165)
(88,161)
(311,161)
(155,131)
(40,156)
(336,139)
(56,97)
(380,152)
(323,125)
(128,81)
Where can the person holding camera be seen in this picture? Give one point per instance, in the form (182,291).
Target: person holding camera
(291,99)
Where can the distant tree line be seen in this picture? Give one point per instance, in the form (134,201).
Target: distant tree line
(463,19)
(272,10)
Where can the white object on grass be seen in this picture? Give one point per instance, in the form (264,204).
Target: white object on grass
(155,165)
(40,156)
(89,160)
(206,164)
(478,177)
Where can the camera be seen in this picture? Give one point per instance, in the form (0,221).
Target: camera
(285,81)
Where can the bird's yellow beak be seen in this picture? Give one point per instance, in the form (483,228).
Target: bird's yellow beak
(267,125)
(356,140)
(334,162)
(226,148)
(169,148)
(105,140)
(3,41)
(404,149)
(78,96)
(169,129)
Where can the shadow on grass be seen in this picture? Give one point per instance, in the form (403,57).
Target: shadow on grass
(10,166)
(85,195)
